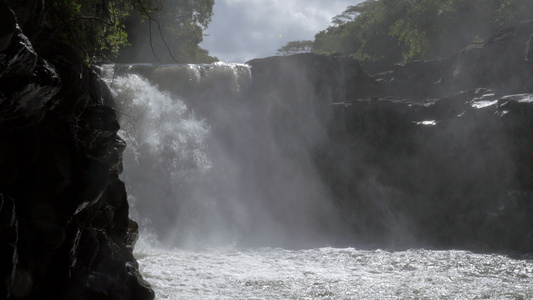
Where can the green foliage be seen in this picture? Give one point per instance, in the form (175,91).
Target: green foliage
(115,36)
(95,28)
(170,31)
(103,28)
(362,31)
(296,47)
(382,32)
(185,21)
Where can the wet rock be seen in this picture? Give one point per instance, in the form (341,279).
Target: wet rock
(433,154)
(399,163)
(501,63)
(332,78)
(9,25)
(8,243)
(19,59)
(416,80)
(64,219)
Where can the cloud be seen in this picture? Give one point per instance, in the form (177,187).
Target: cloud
(245,29)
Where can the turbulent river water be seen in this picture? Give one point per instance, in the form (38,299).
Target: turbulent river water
(191,196)
(334,273)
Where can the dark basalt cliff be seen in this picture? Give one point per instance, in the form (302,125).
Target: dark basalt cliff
(433,154)
(64,226)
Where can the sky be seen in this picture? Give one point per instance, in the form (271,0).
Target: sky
(242,30)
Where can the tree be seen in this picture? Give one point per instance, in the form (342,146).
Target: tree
(95,28)
(382,32)
(109,29)
(362,31)
(296,47)
(169,31)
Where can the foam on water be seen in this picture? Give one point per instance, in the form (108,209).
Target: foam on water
(183,79)
(334,273)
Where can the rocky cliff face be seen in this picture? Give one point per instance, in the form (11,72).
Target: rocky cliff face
(452,172)
(65,231)
(503,64)
(435,153)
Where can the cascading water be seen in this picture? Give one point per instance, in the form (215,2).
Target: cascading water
(203,167)
(213,172)
(166,151)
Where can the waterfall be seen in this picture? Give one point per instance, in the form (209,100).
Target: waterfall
(166,151)
(205,165)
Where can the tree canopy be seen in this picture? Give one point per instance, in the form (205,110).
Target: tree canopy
(116,29)
(296,47)
(169,31)
(383,32)
(93,27)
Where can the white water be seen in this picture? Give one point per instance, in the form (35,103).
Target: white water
(165,165)
(333,273)
(165,153)
(193,187)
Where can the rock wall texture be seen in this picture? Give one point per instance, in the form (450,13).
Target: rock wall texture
(64,226)
(433,154)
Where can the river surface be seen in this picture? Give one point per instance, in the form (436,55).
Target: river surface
(334,273)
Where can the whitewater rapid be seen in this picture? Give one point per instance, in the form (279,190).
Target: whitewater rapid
(334,273)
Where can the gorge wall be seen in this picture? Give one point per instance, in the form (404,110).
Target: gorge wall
(433,154)
(65,232)
(309,150)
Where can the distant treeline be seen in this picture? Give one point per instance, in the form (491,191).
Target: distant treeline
(167,31)
(382,32)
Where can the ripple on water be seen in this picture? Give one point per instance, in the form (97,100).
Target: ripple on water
(331,273)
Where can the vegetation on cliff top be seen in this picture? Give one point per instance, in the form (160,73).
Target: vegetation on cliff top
(383,32)
(102,29)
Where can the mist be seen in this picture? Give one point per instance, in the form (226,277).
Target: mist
(208,164)
(309,150)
